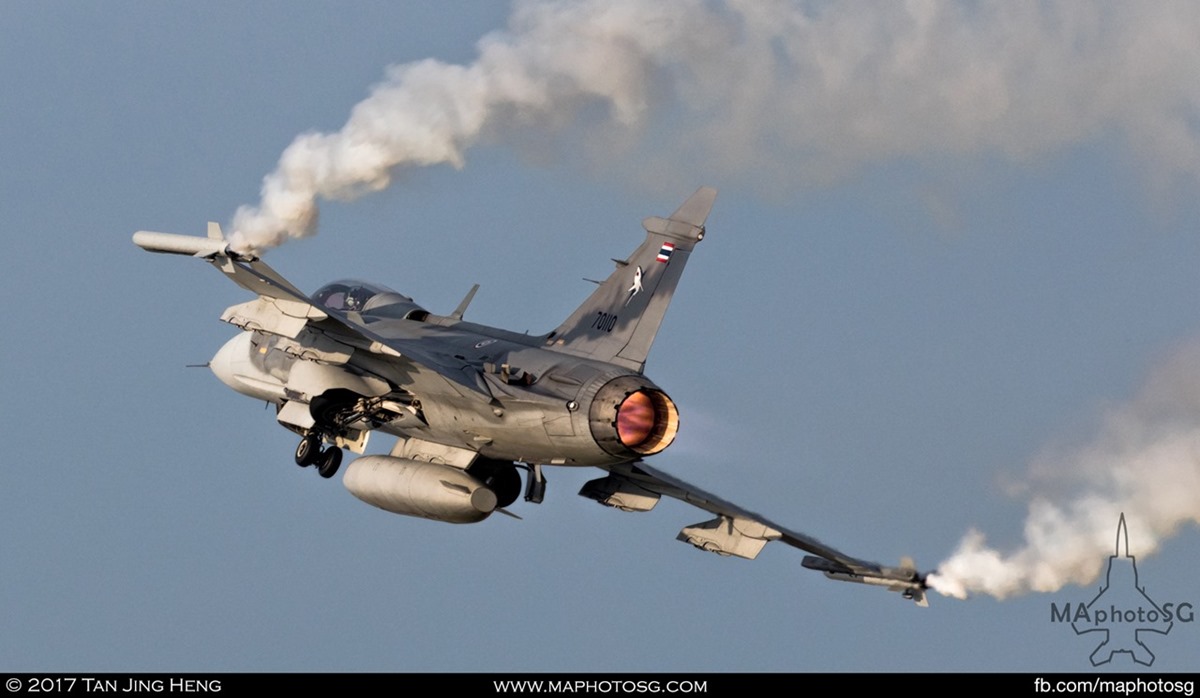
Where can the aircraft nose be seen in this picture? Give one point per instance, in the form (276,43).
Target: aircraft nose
(232,365)
(224,364)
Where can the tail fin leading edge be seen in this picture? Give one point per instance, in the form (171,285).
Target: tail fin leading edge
(619,321)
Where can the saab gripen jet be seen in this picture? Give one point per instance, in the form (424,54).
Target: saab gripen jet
(474,406)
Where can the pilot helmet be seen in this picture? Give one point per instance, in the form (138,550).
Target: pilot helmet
(356,298)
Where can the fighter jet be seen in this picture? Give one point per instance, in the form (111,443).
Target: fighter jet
(474,406)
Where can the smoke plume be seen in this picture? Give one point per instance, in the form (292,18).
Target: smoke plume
(795,93)
(1144,461)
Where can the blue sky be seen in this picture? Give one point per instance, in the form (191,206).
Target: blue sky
(873,344)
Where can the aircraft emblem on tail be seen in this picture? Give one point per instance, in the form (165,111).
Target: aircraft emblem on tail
(636,288)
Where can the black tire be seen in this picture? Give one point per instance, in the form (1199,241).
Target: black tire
(308,451)
(500,477)
(327,407)
(330,461)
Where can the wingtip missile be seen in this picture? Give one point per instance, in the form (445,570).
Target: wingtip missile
(905,580)
(171,243)
(191,245)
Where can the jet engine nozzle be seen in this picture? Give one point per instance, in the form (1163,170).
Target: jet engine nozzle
(632,416)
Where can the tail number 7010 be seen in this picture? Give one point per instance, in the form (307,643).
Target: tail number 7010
(604,322)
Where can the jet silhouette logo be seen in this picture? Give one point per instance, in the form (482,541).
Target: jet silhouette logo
(1122,613)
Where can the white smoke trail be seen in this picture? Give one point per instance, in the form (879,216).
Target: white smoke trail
(1144,461)
(555,58)
(792,93)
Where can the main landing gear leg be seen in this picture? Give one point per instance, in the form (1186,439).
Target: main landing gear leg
(535,485)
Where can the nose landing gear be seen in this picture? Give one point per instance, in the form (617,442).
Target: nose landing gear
(330,461)
(309,452)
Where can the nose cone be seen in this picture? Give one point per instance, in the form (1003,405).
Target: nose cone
(224,363)
(233,367)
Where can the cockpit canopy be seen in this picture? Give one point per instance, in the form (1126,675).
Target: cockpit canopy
(351,296)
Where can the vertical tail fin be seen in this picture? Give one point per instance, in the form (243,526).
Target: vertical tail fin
(618,322)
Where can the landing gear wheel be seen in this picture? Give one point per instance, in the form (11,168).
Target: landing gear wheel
(329,462)
(308,451)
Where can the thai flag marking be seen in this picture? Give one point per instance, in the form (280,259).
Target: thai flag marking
(664,253)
